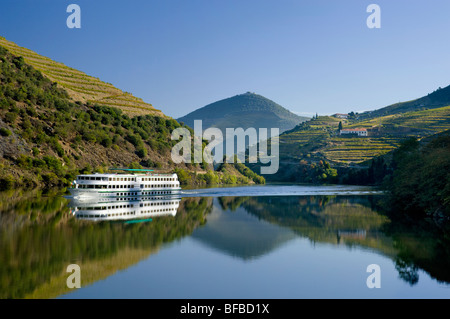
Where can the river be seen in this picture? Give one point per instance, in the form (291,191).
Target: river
(271,241)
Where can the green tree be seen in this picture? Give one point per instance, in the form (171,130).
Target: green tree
(5,132)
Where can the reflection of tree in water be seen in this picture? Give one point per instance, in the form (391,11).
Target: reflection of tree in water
(421,245)
(407,271)
(39,238)
(232,203)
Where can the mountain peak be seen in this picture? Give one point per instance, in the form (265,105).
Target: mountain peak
(244,110)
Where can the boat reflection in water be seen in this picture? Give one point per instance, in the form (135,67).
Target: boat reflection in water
(123,208)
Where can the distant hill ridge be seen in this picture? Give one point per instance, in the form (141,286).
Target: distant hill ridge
(244,110)
(436,99)
(80,86)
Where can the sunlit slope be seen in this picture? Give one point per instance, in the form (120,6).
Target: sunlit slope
(436,99)
(80,86)
(319,138)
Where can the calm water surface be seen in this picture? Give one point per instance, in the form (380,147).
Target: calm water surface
(270,241)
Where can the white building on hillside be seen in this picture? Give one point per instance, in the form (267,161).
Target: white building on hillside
(359,131)
(341,115)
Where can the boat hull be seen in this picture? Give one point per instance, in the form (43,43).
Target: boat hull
(79,193)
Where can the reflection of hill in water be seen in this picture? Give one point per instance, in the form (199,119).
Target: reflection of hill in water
(351,221)
(240,234)
(345,220)
(248,227)
(39,239)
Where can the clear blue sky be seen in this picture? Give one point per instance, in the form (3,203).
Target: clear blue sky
(309,56)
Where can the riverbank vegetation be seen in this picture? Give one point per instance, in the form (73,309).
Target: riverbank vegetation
(420,183)
(416,177)
(46,138)
(226,173)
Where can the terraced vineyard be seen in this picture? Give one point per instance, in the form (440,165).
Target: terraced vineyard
(428,121)
(307,137)
(319,138)
(80,86)
(356,150)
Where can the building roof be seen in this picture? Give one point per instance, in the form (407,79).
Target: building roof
(355,129)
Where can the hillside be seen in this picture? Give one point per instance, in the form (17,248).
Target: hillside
(80,86)
(420,180)
(46,138)
(302,148)
(244,110)
(436,99)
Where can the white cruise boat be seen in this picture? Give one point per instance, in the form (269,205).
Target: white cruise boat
(124,186)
